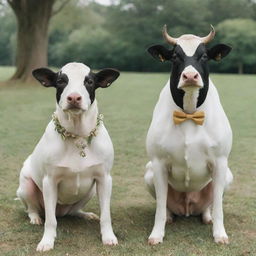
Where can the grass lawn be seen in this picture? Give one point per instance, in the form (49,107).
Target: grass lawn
(127,106)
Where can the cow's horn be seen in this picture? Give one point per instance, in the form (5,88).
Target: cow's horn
(209,37)
(168,38)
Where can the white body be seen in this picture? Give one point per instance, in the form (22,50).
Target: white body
(188,156)
(56,180)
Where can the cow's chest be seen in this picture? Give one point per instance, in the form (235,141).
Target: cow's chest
(74,186)
(190,151)
(76,175)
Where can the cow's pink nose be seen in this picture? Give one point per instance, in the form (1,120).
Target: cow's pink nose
(190,76)
(74,98)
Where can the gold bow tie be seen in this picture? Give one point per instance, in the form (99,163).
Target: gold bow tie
(179,117)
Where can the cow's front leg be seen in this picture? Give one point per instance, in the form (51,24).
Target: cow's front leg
(50,200)
(219,183)
(161,188)
(104,189)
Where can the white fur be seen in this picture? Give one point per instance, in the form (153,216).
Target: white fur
(190,100)
(76,73)
(62,175)
(191,92)
(188,156)
(189,44)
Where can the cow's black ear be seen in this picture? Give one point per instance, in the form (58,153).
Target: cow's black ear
(218,52)
(105,77)
(45,76)
(160,53)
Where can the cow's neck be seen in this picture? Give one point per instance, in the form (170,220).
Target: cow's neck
(190,100)
(79,124)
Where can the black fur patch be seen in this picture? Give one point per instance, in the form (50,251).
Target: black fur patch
(61,83)
(90,85)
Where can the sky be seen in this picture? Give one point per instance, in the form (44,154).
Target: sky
(104,2)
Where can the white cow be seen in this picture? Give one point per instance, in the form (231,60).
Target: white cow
(73,158)
(189,139)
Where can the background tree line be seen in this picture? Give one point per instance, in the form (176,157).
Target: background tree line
(118,35)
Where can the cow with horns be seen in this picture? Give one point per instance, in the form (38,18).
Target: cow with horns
(189,139)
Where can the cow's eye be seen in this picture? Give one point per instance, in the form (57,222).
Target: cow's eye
(204,57)
(61,82)
(88,81)
(176,57)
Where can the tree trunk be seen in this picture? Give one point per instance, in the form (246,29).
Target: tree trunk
(240,68)
(32,37)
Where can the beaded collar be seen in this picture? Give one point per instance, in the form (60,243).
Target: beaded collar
(81,142)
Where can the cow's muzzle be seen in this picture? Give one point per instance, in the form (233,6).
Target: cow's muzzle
(74,102)
(190,80)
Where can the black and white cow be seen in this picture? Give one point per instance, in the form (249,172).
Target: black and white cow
(189,139)
(74,157)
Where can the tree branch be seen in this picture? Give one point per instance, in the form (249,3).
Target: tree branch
(54,12)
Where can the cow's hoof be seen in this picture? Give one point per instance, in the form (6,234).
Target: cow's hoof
(44,246)
(207,221)
(169,217)
(169,220)
(221,240)
(155,240)
(87,215)
(35,219)
(91,216)
(110,240)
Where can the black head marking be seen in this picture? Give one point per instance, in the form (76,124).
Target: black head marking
(89,83)
(180,61)
(61,82)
